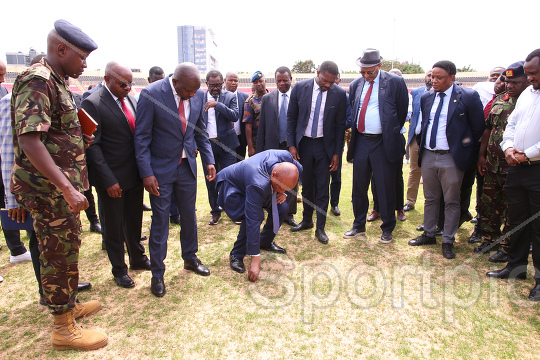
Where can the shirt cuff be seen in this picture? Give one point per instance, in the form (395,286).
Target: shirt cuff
(256,255)
(532,153)
(507,144)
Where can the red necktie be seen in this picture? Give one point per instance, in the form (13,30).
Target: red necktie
(362,117)
(129,115)
(487,109)
(181,112)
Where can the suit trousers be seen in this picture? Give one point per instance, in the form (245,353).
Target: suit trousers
(415,173)
(370,158)
(441,177)
(13,242)
(123,220)
(184,186)
(523,195)
(399,186)
(335,184)
(223,157)
(291,195)
(315,179)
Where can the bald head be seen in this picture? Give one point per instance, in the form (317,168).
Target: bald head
(186,80)
(118,79)
(284,177)
(495,73)
(3,71)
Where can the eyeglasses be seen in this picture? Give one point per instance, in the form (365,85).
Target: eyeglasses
(124,85)
(215,86)
(368,72)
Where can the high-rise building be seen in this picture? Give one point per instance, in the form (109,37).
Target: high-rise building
(197,44)
(19,58)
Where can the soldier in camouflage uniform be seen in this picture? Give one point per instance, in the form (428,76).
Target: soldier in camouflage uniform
(49,176)
(493,166)
(252,110)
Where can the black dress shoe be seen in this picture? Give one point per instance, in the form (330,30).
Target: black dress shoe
(386,237)
(482,248)
(335,210)
(438,231)
(144,237)
(303,226)
(274,248)
(321,236)
(95,226)
(499,257)
(408,207)
(423,240)
(534,295)
(175,220)
(215,219)
(476,237)
(237,264)
(196,266)
(465,217)
(157,286)
(448,251)
(141,265)
(420,227)
(124,281)
(84,286)
(507,274)
(146,207)
(354,233)
(290,221)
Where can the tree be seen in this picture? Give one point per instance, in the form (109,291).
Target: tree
(405,67)
(304,67)
(467,68)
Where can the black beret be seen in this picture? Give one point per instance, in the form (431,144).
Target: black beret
(515,70)
(74,35)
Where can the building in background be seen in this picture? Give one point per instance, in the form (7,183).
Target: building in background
(197,44)
(19,58)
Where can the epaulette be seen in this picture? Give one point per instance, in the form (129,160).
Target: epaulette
(43,72)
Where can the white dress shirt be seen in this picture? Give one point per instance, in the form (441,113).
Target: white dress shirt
(211,127)
(237,128)
(127,102)
(316,90)
(186,110)
(442,141)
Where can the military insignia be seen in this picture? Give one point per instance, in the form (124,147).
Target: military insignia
(43,72)
(509,73)
(507,97)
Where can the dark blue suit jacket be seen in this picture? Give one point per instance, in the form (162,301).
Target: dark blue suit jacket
(245,190)
(464,127)
(415,117)
(393,107)
(159,139)
(226,115)
(268,133)
(334,116)
(242,97)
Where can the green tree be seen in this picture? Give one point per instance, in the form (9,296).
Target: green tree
(405,67)
(304,67)
(467,68)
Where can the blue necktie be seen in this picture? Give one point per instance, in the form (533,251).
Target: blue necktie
(433,139)
(283,119)
(275,214)
(315,123)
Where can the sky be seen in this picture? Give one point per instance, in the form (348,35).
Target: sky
(264,35)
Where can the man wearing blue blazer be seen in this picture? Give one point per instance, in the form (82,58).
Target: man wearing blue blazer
(231,85)
(220,113)
(170,128)
(380,102)
(452,123)
(315,135)
(248,187)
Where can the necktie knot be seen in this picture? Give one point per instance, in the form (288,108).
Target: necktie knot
(442,95)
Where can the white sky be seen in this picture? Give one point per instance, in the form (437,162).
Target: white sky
(264,35)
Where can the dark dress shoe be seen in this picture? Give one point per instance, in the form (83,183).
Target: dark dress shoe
(438,231)
(335,210)
(448,251)
(141,265)
(146,207)
(215,219)
(373,216)
(83,286)
(95,226)
(144,237)
(474,220)
(420,227)
(534,295)
(174,220)
(103,246)
(196,266)
(124,281)
(354,233)
(302,226)
(499,257)
(476,237)
(157,286)
(237,264)
(290,221)
(423,240)
(408,207)
(507,274)
(400,214)
(386,237)
(482,248)
(274,248)
(464,218)
(321,236)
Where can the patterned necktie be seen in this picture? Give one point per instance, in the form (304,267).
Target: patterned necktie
(275,214)
(283,119)
(129,114)
(315,123)
(363,109)
(433,139)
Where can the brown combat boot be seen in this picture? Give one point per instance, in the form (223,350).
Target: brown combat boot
(67,334)
(86,309)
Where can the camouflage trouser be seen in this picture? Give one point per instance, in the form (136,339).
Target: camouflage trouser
(58,231)
(493,209)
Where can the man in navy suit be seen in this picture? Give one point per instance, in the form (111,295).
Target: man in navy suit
(248,187)
(231,84)
(452,123)
(220,112)
(380,102)
(170,127)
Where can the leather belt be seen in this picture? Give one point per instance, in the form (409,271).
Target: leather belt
(529,163)
(371,136)
(439,152)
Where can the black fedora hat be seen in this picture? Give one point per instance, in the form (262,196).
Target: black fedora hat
(370,58)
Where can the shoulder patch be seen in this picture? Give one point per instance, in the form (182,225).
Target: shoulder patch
(43,72)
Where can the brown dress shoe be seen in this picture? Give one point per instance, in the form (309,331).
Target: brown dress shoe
(373,216)
(215,219)
(400,214)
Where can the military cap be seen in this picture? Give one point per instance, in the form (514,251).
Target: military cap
(515,70)
(74,35)
(256,76)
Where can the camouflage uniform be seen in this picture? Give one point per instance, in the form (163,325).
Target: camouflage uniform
(493,206)
(252,110)
(42,102)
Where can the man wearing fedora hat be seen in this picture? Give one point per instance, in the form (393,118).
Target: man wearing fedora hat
(380,103)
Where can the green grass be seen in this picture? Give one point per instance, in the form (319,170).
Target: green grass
(350,299)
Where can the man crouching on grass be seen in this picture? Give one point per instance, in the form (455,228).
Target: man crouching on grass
(248,187)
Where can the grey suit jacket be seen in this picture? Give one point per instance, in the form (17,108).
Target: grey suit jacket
(268,136)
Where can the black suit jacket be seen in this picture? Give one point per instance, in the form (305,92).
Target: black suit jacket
(333,121)
(464,126)
(268,133)
(242,97)
(111,158)
(226,112)
(393,107)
